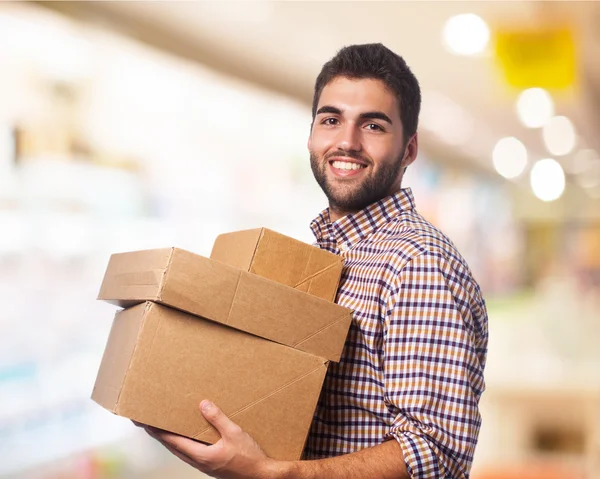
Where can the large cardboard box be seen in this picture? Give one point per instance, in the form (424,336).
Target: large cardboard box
(283,259)
(213,290)
(159,364)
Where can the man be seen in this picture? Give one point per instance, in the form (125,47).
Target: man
(403,401)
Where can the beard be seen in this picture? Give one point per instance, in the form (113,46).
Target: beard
(356,196)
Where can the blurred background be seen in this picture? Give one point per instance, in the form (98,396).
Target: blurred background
(132,125)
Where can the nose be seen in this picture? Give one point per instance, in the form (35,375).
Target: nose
(348,138)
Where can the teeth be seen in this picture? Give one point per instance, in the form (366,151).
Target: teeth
(346,165)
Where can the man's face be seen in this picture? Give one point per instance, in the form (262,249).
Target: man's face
(356,144)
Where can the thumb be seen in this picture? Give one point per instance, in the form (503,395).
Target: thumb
(218,418)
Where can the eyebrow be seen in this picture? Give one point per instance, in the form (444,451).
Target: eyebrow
(329,109)
(369,115)
(375,115)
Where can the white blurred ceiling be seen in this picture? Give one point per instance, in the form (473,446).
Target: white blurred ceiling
(282,45)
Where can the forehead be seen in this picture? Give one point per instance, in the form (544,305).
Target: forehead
(359,95)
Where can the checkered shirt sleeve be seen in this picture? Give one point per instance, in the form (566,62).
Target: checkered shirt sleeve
(432,371)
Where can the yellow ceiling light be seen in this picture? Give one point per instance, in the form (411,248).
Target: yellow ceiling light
(537,57)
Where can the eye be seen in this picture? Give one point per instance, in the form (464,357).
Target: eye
(330,121)
(373,127)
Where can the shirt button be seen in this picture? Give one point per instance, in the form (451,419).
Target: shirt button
(344,247)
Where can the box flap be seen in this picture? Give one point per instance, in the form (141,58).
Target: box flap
(236,249)
(321,283)
(117,356)
(199,285)
(269,389)
(281,258)
(280,313)
(307,268)
(135,276)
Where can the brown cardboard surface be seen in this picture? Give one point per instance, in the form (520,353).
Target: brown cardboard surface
(159,363)
(216,291)
(282,259)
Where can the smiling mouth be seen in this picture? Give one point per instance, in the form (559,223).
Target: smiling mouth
(346,165)
(346,170)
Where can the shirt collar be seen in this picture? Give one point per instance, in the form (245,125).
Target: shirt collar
(352,228)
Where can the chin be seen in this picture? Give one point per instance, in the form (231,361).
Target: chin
(340,199)
(345,204)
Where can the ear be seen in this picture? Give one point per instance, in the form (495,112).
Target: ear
(412,149)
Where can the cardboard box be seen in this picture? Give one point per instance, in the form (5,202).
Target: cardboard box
(159,364)
(222,293)
(283,259)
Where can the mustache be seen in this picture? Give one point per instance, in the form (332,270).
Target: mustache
(348,154)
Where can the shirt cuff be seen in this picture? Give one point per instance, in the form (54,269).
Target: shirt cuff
(421,459)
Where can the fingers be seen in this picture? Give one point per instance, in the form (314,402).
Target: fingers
(194,453)
(188,447)
(156,435)
(214,415)
(189,451)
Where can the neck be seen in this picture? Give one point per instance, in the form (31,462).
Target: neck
(335,212)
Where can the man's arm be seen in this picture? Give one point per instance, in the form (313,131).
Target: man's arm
(384,461)
(237,456)
(435,338)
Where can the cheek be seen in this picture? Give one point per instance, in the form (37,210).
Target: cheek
(320,142)
(382,152)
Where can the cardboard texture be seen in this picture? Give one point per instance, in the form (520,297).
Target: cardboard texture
(213,290)
(159,364)
(282,259)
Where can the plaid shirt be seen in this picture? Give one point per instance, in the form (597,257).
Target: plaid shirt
(412,367)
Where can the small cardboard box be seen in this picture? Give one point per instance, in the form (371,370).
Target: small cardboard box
(283,259)
(224,294)
(159,363)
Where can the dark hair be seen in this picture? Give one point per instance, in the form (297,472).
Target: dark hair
(375,61)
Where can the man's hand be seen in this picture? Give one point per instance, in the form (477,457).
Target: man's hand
(235,456)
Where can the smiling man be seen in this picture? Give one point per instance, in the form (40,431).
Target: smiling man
(403,400)
(358,149)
